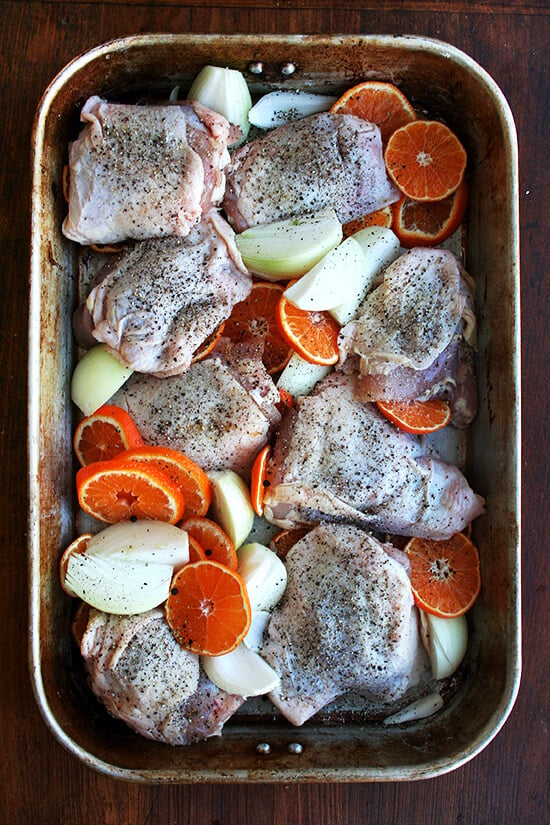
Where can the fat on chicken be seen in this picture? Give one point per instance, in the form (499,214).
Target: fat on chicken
(325,160)
(157,301)
(336,458)
(220,413)
(346,623)
(142,676)
(144,171)
(413,336)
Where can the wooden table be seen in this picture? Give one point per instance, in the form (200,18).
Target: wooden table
(508,782)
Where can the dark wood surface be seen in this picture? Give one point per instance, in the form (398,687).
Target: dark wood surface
(508,781)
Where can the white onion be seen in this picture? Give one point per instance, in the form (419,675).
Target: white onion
(116,586)
(299,377)
(446,641)
(242,672)
(224,91)
(336,278)
(258,624)
(420,709)
(264,574)
(277,108)
(154,542)
(97,376)
(231,505)
(380,246)
(285,249)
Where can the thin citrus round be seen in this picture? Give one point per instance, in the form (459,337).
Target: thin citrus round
(106,433)
(313,335)
(257,480)
(254,319)
(208,608)
(196,553)
(378,102)
(417,416)
(214,541)
(425,160)
(190,478)
(285,540)
(428,223)
(208,344)
(117,490)
(445,575)
(382,217)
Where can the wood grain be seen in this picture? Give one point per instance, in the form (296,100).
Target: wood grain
(508,781)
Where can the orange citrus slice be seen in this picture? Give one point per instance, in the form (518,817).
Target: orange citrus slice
(257,480)
(190,478)
(254,319)
(445,576)
(105,434)
(208,608)
(118,489)
(212,539)
(382,217)
(378,102)
(208,344)
(313,335)
(284,541)
(425,160)
(429,223)
(417,416)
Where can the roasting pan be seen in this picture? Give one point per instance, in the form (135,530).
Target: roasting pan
(449,85)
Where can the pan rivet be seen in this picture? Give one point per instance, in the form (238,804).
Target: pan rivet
(288,68)
(256,68)
(294,747)
(263,747)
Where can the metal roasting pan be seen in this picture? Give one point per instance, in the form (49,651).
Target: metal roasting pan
(449,85)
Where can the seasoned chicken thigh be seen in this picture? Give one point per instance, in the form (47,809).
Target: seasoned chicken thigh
(143,676)
(323,160)
(337,458)
(220,412)
(144,171)
(156,302)
(346,623)
(413,335)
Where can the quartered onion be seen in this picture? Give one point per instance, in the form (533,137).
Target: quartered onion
(153,542)
(264,574)
(97,376)
(242,672)
(277,108)
(224,91)
(299,377)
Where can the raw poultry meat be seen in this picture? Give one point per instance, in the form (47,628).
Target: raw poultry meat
(413,335)
(144,171)
(220,413)
(323,160)
(336,458)
(156,302)
(144,677)
(346,623)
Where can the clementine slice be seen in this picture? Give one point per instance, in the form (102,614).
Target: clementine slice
(417,416)
(208,608)
(445,575)
(190,478)
(257,480)
(254,319)
(208,344)
(313,335)
(425,160)
(119,489)
(213,540)
(429,223)
(382,217)
(284,541)
(378,102)
(105,434)
(196,553)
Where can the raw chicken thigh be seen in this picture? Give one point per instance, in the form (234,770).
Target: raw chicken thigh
(413,335)
(220,413)
(143,676)
(156,302)
(337,458)
(346,623)
(144,171)
(323,160)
